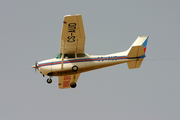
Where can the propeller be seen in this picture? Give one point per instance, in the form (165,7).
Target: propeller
(35,66)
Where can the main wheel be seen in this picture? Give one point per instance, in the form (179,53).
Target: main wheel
(49,80)
(74,68)
(73,85)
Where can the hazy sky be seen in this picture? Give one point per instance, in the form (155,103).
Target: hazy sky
(31,30)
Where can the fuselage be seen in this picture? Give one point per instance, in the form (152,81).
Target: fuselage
(54,67)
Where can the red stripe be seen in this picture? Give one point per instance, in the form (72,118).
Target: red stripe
(144,49)
(121,57)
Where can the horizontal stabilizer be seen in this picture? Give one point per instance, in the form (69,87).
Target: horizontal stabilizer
(135,64)
(136,51)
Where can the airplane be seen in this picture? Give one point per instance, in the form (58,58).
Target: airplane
(71,61)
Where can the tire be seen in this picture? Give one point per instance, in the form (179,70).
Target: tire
(73,85)
(74,68)
(49,81)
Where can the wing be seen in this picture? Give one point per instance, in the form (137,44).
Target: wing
(73,36)
(64,81)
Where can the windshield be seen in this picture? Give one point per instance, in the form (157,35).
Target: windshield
(58,55)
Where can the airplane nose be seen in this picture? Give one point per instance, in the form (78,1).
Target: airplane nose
(35,65)
(44,67)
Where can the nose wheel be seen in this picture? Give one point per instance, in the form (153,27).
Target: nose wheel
(49,80)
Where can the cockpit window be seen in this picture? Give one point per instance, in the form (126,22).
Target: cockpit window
(58,55)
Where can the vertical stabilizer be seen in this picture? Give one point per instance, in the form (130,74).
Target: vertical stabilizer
(141,40)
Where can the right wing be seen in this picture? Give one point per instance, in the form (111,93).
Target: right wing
(73,36)
(65,81)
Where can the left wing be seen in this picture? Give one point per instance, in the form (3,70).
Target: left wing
(65,81)
(73,36)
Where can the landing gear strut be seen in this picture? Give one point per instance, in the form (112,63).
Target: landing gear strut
(73,85)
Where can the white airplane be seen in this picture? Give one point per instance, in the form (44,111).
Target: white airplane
(71,61)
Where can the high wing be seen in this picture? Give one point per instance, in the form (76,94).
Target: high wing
(73,36)
(64,81)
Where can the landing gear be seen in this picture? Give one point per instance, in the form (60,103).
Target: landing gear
(50,74)
(49,80)
(74,68)
(73,85)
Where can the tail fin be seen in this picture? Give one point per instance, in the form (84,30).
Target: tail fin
(137,50)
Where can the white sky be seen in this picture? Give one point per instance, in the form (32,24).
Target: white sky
(31,30)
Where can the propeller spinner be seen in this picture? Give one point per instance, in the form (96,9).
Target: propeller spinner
(35,66)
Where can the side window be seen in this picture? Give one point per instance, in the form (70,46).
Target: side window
(81,55)
(69,55)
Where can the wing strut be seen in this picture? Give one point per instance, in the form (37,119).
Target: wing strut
(62,62)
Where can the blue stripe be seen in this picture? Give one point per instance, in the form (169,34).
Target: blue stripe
(145,42)
(143,56)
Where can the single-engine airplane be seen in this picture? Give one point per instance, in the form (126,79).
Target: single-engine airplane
(71,61)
